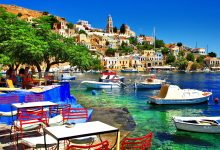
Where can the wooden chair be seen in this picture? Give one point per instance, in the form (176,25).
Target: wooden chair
(100,146)
(140,143)
(34,97)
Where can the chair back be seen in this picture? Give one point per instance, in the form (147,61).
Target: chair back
(100,146)
(33,117)
(34,97)
(9,99)
(141,143)
(74,114)
(10,83)
(57,110)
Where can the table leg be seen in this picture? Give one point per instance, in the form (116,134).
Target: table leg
(118,141)
(58,142)
(45,144)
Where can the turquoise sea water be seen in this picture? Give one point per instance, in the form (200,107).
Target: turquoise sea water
(158,118)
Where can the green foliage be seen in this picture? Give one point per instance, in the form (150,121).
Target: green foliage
(133,40)
(159,43)
(124,48)
(19,14)
(82,32)
(165,51)
(170,58)
(212,54)
(70,25)
(181,64)
(200,59)
(45,13)
(195,66)
(179,44)
(123,28)
(190,57)
(21,43)
(181,53)
(110,52)
(115,30)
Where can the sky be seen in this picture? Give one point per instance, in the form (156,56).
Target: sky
(192,22)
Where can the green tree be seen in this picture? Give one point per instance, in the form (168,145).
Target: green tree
(19,14)
(115,30)
(133,40)
(170,58)
(212,54)
(179,44)
(195,66)
(200,59)
(110,52)
(181,53)
(82,32)
(70,25)
(181,64)
(123,29)
(165,51)
(159,43)
(190,57)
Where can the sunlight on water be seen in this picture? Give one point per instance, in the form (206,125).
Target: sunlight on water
(157,118)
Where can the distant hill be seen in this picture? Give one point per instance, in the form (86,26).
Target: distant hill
(25,12)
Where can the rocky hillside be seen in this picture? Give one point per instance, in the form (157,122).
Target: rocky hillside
(25,12)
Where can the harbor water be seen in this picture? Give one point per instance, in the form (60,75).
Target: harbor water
(157,118)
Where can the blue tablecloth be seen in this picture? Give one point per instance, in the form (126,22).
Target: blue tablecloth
(57,94)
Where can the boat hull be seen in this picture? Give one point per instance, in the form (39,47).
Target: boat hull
(68,78)
(204,128)
(178,101)
(101,85)
(147,86)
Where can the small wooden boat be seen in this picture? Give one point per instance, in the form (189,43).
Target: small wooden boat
(172,94)
(101,85)
(198,124)
(150,83)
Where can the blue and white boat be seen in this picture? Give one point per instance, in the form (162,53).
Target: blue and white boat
(67,77)
(129,70)
(172,94)
(149,83)
(101,85)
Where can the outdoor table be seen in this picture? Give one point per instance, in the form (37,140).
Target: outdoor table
(80,130)
(34,104)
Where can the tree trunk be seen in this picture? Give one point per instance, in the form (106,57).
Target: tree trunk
(39,70)
(48,68)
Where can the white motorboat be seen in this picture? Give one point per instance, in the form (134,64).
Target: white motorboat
(129,70)
(150,83)
(101,85)
(172,94)
(67,77)
(110,76)
(198,124)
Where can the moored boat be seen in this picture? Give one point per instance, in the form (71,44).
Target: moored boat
(172,94)
(129,70)
(101,85)
(198,124)
(110,76)
(67,77)
(149,83)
